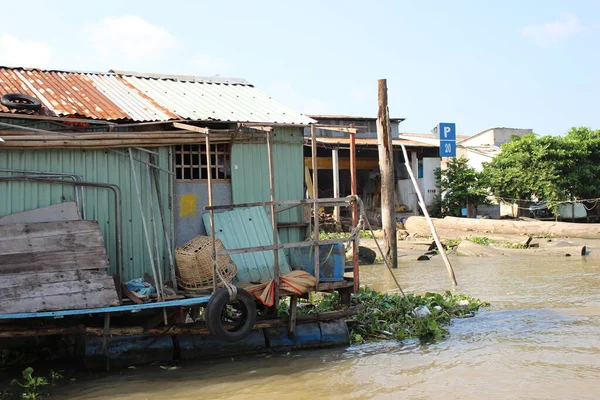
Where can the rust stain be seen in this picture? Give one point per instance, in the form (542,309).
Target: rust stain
(76,93)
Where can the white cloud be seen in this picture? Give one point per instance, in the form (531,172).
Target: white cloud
(129,38)
(551,33)
(17,52)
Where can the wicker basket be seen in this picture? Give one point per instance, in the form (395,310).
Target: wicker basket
(195,264)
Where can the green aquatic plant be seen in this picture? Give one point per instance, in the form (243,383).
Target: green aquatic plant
(453,242)
(482,240)
(31,385)
(392,316)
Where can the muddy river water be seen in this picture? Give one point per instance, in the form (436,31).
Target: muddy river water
(539,339)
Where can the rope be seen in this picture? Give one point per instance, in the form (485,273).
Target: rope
(231,288)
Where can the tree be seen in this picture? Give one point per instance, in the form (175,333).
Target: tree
(551,168)
(459,185)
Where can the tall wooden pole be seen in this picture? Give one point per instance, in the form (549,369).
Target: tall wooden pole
(213,234)
(428,218)
(336,184)
(355,271)
(386,168)
(273,219)
(313,141)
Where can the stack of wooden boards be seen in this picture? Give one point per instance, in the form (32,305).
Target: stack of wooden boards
(50,266)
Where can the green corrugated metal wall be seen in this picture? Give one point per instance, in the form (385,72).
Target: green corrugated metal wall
(250,175)
(101,166)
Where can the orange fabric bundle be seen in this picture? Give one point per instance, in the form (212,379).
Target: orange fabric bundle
(296,282)
(265,292)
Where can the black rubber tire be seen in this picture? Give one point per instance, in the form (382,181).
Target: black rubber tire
(20,101)
(215,307)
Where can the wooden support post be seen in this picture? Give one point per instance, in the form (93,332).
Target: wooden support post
(105,333)
(414,166)
(355,271)
(313,136)
(292,320)
(336,184)
(273,219)
(428,218)
(211,212)
(386,168)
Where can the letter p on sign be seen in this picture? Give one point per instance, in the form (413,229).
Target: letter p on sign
(447,131)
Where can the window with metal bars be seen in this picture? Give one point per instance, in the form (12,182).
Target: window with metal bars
(191,162)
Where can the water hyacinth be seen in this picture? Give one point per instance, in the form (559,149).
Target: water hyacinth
(392,316)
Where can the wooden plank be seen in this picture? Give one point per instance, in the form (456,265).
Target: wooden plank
(78,241)
(97,299)
(42,290)
(60,296)
(189,127)
(42,229)
(130,295)
(88,258)
(34,280)
(57,212)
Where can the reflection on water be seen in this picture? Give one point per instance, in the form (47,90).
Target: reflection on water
(540,339)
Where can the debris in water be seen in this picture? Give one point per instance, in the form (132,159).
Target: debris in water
(422,311)
(170,367)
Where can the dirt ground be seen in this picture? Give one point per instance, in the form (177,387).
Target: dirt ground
(461,244)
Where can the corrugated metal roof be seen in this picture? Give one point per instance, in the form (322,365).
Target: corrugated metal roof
(372,142)
(248,227)
(204,100)
(124,95)
(347,117)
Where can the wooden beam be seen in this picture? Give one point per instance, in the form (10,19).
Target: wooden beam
(336,183)
(355,269)
(308,180)
(315,177)
(273,220)
(189,127)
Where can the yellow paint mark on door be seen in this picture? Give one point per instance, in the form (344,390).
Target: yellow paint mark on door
(187,205)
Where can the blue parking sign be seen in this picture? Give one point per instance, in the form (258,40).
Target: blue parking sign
(447,148)
(447,131)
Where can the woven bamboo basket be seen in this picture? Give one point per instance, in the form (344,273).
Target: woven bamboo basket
(195,264)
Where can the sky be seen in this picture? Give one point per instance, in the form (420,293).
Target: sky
(480,64)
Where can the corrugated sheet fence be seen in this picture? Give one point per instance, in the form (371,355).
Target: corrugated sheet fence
(101,166)
(250,175)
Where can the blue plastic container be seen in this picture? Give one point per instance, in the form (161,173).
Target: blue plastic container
(332,258)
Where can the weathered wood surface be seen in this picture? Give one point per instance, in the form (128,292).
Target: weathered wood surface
(388,179)
(57,212)
(53,266)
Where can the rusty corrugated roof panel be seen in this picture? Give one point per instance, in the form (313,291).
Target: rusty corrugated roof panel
(145,97)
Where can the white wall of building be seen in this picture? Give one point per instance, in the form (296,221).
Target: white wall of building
(427,183)
(494,136)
